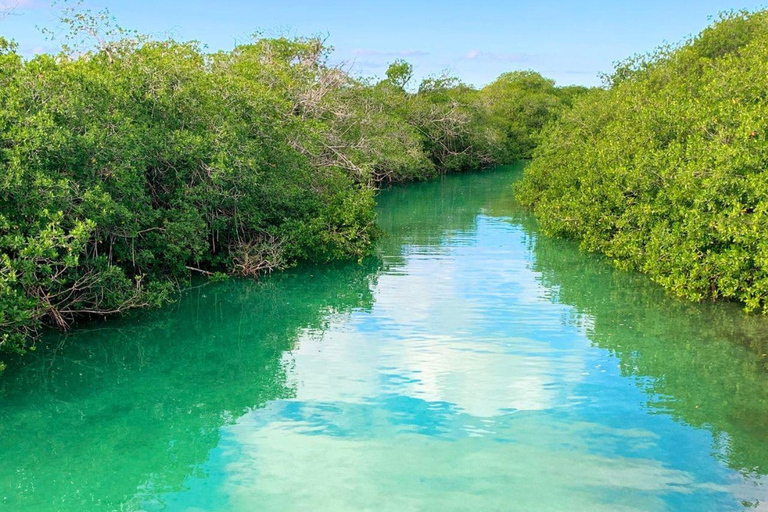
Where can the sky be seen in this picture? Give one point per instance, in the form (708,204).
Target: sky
(476,40)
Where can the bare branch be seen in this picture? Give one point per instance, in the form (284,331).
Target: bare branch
(7,8)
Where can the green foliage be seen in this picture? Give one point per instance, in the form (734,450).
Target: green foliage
(123,168)
(665,170)
(520,104)
(454,125)
(127,163)
(400,73)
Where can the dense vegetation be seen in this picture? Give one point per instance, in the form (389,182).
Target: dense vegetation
(664,170)
(128,163)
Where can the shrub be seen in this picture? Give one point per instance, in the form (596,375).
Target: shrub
(664,170)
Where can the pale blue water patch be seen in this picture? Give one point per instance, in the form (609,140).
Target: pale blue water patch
(466,387)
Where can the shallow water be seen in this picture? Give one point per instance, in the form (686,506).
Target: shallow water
(471,365)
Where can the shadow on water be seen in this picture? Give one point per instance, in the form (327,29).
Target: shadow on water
(705,364)
(136,405)
(426,214)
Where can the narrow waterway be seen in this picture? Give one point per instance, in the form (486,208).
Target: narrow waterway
(471,365)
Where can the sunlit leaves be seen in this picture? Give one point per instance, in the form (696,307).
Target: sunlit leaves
(665,172)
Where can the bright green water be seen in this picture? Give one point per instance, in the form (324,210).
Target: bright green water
(472,366)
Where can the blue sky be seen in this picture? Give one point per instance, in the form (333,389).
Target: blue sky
(475,39)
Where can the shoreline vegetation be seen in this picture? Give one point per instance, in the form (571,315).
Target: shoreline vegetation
(129,164)
(664,169)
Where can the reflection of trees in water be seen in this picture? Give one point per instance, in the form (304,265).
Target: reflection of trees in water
(706,362)
(425,214)
(701,363)
(137,405)
(134,406)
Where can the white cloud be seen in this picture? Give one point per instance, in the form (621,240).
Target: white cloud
(359,52)
(497,57)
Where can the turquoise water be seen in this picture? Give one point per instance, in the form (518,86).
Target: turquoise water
(472,364)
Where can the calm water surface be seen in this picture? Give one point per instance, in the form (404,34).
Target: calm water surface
(472,365)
